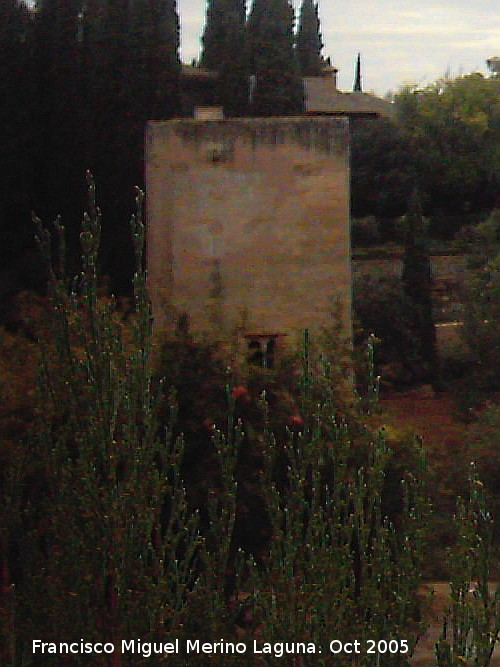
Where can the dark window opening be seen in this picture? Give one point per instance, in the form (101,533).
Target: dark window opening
(262,349)
(255,353)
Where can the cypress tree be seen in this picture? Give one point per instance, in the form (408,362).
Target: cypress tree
(223,51)
(132,66)
(60,107)
(277,89)
(18,134)
(168,80)
(113,131)
(154,39)
(417,282)
(308,41)
(106,57)
(357,88)
(132,57)
(223,18)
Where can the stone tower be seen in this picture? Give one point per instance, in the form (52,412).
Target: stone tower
(248,224)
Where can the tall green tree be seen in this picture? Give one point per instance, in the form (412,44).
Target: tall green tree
(277,88)
(308,42)
(224,51)
(381,170)
(60,106)
(453,127)
(223,16)
(17,130)
(112,147)
(131,55)
(106,58)
(154,36)
(481,306)
(357,87)
(79,81)
(417,282)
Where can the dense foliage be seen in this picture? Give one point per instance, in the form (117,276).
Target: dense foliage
(453,130)
(471,625)
(481,306)
(417,282)
(382,176)
(18,130)
(399,310)
(308,42)
(224,52)
(102,536)
(79,82)
(382,308)
(443,139)
(277,88)
(284,513)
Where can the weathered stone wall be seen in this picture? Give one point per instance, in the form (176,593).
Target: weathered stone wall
(248,222)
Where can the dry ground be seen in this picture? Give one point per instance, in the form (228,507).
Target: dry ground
(431,416)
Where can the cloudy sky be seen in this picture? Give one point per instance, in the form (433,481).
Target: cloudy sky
(401,41)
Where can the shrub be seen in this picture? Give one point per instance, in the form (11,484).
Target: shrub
(482,447)
(480,330)
(471,625)
(99,556)
(335,566)
(108,546)
(382,308)
(481,299)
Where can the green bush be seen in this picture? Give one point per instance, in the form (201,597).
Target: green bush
(481,313)
(481,321)
(107,547)
(382,308)
(482,447)
(104,541)
(471,626)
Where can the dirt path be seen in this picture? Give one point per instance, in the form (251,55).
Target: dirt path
(432,417)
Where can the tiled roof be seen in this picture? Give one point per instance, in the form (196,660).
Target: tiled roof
(322,97)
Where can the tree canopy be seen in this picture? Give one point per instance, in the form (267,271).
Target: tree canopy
(224,51)
(277,87)
(446,139)
(308,41)
(417,281)
(357,87)
(223,17)
(453,127)
(18,133)
(80,80)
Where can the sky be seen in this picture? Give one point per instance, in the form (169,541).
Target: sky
(401,41)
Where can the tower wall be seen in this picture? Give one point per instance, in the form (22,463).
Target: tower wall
(248,223)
